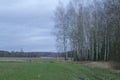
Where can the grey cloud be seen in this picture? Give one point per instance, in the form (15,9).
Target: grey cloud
(27,24)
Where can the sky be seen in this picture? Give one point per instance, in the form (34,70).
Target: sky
(27,25)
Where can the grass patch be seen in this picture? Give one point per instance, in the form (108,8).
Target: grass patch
(49,70)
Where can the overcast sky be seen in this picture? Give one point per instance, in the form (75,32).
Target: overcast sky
(27,25)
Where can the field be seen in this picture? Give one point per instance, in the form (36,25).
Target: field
(50,69)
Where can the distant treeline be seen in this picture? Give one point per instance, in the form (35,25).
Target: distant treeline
(27,54)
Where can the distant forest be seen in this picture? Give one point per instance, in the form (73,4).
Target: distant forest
(28,54)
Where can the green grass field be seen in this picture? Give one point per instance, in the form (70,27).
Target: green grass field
(47,70)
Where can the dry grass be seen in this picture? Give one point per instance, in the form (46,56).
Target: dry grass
(25,59)
(100,65)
